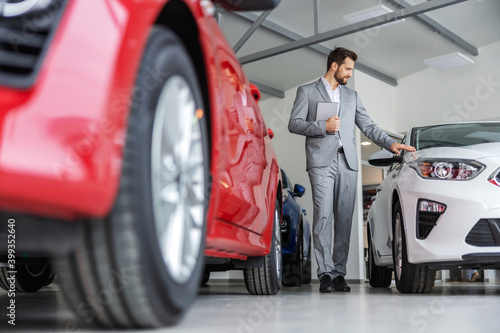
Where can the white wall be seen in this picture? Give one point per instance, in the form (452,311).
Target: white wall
(379,100)
(468,93)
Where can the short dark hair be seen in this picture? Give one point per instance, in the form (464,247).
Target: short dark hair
(338,55)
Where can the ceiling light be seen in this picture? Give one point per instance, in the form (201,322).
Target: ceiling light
(370,13)
(449,61)
(366,143)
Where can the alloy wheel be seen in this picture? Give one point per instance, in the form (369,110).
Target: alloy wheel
(277,244)
(398,246)
(178,178)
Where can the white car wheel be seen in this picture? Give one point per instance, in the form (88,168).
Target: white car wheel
(409,278)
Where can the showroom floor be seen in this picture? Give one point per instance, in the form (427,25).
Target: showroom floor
(227,307)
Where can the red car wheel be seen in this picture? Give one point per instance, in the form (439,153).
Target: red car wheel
(267,279)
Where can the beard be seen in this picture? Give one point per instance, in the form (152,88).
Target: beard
(340,80)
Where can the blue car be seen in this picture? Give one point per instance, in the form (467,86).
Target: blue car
(295,236)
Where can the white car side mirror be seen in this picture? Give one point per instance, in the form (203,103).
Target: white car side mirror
(383,158)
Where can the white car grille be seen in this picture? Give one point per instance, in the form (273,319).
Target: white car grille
(486,232)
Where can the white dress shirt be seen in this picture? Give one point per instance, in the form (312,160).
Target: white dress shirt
(334,97)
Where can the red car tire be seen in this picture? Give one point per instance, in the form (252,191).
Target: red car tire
(140,267)
(267,280)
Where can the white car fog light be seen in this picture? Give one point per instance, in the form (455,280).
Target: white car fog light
(427,216)
(431,206)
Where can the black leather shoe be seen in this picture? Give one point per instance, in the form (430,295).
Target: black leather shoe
(326,284)
(340,284)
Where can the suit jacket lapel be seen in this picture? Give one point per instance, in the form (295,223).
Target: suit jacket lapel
(343,96)
(322,90)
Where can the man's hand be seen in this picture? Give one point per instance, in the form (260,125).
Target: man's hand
(396,147)
(333,124)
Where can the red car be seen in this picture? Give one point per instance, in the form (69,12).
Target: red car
(131,148)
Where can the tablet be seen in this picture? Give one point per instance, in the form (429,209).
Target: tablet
(326,110)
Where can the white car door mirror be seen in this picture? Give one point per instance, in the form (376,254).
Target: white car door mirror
(383,158)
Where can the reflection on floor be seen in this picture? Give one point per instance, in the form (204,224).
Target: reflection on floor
(227,307)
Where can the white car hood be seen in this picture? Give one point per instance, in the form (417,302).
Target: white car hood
(474,152)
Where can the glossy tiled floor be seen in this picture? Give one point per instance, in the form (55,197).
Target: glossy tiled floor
(227,307)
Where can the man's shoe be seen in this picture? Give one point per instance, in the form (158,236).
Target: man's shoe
(474,277)
(326,284)
(340,285)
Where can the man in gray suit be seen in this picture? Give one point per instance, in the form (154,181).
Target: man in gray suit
(332,161)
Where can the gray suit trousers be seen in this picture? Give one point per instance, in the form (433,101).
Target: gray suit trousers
(334,195)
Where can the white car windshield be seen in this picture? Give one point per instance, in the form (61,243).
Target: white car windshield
(456,135)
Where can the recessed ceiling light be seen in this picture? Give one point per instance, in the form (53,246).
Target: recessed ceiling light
(449,61)
(369,13)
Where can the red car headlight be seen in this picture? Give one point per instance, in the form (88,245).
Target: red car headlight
(494,178)
(447,169)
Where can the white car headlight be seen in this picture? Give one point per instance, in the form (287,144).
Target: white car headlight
(447,169)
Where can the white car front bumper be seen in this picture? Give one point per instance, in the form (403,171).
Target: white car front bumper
(467,202)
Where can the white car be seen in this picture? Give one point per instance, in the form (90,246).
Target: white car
(438,207)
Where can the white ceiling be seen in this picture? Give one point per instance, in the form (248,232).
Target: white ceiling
(397,50)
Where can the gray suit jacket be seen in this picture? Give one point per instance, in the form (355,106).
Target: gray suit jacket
(320,145)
